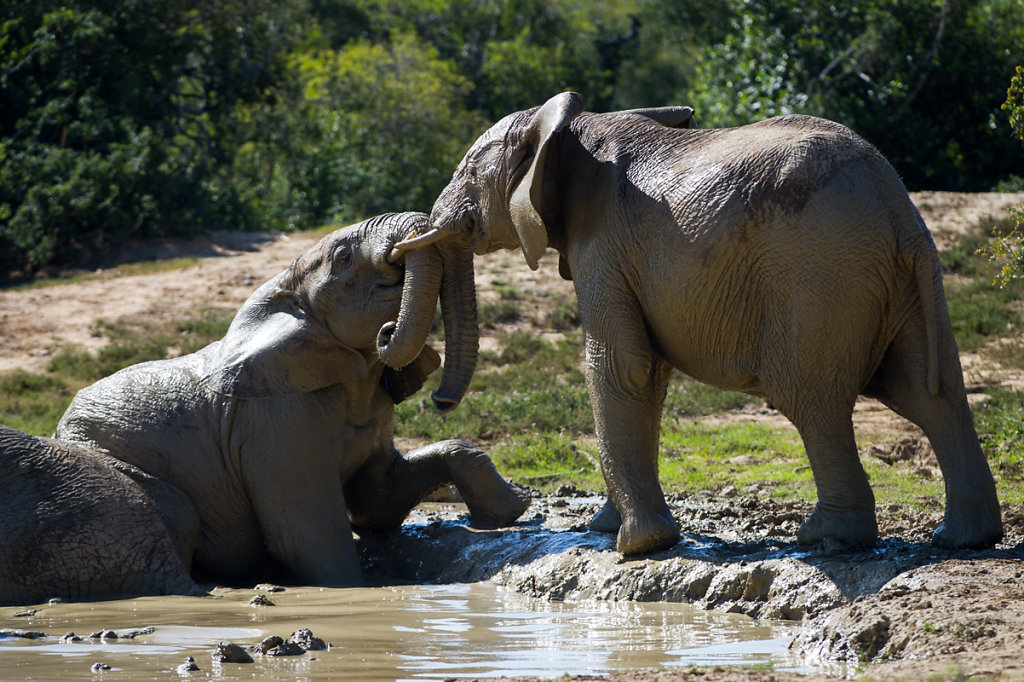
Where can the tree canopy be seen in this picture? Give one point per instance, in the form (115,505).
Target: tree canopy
(132,118)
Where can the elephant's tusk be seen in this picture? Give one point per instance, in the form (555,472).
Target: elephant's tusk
(415,243)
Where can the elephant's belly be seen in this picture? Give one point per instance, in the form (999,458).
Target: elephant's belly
(729,364)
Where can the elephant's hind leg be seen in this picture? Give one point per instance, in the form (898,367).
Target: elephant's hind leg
(972,517)
(383,493)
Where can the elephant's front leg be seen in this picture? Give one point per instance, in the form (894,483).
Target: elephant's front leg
(627,384)
(382,493)
(305,524)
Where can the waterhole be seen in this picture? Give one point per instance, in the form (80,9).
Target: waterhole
(416,632)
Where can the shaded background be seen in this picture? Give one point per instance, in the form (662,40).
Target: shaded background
(123,119)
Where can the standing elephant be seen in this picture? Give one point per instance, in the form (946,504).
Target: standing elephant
(783,259)
(264,450)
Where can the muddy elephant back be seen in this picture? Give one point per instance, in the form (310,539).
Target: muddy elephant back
(76,527)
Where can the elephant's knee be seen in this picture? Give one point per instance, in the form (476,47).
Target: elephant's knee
(628,373)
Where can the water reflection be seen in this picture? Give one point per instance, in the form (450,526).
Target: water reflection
(410,632)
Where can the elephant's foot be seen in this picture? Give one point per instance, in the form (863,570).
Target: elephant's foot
(648,531)
(853,525)
(608,520)
(969,526)
(493,502)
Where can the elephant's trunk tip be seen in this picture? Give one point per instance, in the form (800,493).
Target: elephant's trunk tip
(442,404)
(390,354)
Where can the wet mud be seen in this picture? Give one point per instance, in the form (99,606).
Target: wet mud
(548,597)
(899,609)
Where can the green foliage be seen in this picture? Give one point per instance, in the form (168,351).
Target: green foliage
(369,128)
(687,397)
(547,455)
(980,309)
(131,119)
(1007,247)
(884,68)
(1014,104)
(120,119)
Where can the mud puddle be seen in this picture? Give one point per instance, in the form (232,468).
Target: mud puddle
(421,632)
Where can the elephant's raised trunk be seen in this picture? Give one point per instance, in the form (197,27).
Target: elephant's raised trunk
(445,269)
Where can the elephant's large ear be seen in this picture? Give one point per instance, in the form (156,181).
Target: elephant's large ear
(402,383)
(525,203)
(273,349)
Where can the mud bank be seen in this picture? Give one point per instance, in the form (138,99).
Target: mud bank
(901,609)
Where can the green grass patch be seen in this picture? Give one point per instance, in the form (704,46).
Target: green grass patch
(33,402)
(698,456)
(531,385)
(1000,423)
(135,342)
(979,308)
(547,459)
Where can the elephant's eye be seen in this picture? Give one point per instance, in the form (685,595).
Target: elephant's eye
(343,255)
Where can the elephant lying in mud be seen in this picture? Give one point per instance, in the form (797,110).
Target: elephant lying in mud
(783,259)
(266,449)
(75,524)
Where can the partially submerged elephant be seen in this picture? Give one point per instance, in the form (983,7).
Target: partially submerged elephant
(76,524)
(783,259)
(265,449)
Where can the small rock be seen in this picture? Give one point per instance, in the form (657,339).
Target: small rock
(268,644)
(27,613)
(286,649)
(229,652)
(97,667)
(23,634)
(188,666)
(305,639)
(55,600)
(69,638)
(132,634)
(267,587)
(103,634)
(261,600)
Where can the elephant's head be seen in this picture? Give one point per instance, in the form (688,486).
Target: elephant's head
(348,302)
(496,196)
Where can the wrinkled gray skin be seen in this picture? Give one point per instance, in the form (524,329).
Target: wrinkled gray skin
(266,449)
(783,259)
(74,524)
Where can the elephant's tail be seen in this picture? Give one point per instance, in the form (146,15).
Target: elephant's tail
(925,270)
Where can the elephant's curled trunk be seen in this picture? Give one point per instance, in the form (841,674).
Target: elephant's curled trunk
(400,342)
(445,269)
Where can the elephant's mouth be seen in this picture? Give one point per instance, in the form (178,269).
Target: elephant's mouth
(390,282)
(388,287)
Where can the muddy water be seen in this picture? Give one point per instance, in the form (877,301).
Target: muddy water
(385,633)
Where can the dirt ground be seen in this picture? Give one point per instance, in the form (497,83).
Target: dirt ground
(899,611)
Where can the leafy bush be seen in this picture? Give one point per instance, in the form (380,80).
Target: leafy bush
(1008,245)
